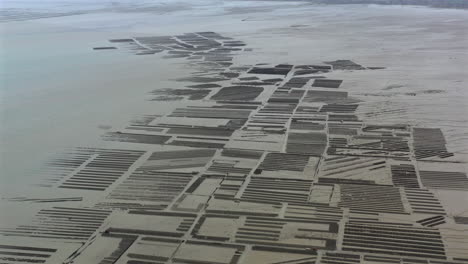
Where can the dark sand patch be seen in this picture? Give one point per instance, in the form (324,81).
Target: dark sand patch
(327,83)
(244,93)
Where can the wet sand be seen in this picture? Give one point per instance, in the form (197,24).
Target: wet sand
(97,127)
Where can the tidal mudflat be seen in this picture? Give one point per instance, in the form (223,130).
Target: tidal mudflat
(238,132)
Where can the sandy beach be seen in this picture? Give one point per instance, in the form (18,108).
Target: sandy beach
(233,132)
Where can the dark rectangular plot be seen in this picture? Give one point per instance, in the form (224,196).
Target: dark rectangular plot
(246,93)
(429,142)
(218,58)
(227,168)
(284,161)
(327,83)
(284,100)
(306,71)
(297,82)
(342,131)
(305,125)
(151,186)
(338,142)
(145,257)
(311,143)
(280,184)
(181,154)
(129,205)
(372,127)
(212,113)
(121,40)
(104,48)
(239,68)
(342,118)
(279,71)
(371,198)
(202,131)
(204,138)
(405,176)
(325,96)
(306,149)
(224,50)
(253,78)
(444,180)
(230,74)
(233,44)
(311,137)
(113,230)
(51,250)
(271,107)
(204,86)
(402,241)
(254,83)
(337,258)
(382,259)
(236,105)
(339,108)
(286,97)
(268,196)
(273,80)
(300,79)
(423,201)
(461,220)
(196,144)
(309,110)
(344,181)
(242,153)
